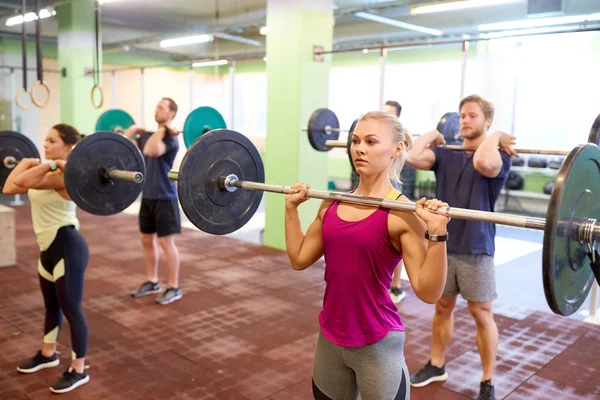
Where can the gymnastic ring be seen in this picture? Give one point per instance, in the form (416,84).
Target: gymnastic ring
(32,93)
(94,88)
(19,104)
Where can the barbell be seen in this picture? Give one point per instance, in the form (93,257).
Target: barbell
(222,177)
(324,129)
(323,133)
(201,120)
(103,173)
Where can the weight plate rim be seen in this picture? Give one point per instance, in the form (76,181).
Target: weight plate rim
(550,236)
(349,143)
(24,138)
(31,152)
(595,132)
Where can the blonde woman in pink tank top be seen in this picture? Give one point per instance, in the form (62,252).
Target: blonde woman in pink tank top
(361,340)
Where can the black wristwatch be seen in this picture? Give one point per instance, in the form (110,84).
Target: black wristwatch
(436,238)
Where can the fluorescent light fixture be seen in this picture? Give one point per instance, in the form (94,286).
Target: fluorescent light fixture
(240,39)
(209,63)
(31,16)
(365,51)
(458,5)
(531,31)
(186,40)
(102,2)
(533,23)
(593,17)
(264,30)
(399,24)
(265,59)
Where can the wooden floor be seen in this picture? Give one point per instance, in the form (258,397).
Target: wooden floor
(246,329)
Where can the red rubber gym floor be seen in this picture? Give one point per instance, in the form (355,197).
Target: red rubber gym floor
(246,329)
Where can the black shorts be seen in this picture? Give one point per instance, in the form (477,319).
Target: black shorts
(160,217)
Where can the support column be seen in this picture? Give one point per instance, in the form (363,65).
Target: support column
(297,86)
(76,48)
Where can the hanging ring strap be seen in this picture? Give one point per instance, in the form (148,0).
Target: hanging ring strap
(38,52)
(97,87)
(24,88)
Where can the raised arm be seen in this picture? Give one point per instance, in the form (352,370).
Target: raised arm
(10,186)
(303,249)
(426,261)
(487,159)
(421,156)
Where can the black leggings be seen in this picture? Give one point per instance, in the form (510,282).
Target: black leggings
(61,269)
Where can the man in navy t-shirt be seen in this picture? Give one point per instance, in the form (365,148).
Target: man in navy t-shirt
(159,212)
(470,180)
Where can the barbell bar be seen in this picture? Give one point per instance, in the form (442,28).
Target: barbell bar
(339,143)
(110,174)
(221,181)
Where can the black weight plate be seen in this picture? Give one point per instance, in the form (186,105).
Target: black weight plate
(215,155)
(14,144)
(349,143)
(84,173)
(317,124)
(449,126)
(537,162)
(595,132)
(567,274)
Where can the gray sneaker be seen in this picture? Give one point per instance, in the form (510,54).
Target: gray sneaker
(428,374)
(38,362)
(170,295)
(147,288)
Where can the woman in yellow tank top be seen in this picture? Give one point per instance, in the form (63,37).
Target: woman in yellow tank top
(64,254)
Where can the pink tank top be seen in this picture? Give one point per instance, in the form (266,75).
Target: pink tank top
(359,264)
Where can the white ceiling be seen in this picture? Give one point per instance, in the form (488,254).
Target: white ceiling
(139,25)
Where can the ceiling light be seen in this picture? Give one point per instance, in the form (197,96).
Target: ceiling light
(398,24)
(186,40)
(532,23)
(31,16)
(458,5)
(240,39)
(264,30)
(102,2)
(209,63)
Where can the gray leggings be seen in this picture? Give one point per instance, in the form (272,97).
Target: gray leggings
(377,371)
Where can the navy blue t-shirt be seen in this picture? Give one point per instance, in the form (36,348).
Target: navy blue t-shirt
(460,185)
(157,185)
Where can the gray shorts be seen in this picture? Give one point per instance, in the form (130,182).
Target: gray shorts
(473,276)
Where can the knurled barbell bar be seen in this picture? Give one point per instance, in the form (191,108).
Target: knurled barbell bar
(221,180)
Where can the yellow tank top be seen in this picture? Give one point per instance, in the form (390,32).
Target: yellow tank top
(50,212)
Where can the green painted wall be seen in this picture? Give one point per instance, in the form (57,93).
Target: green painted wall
(10,46)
